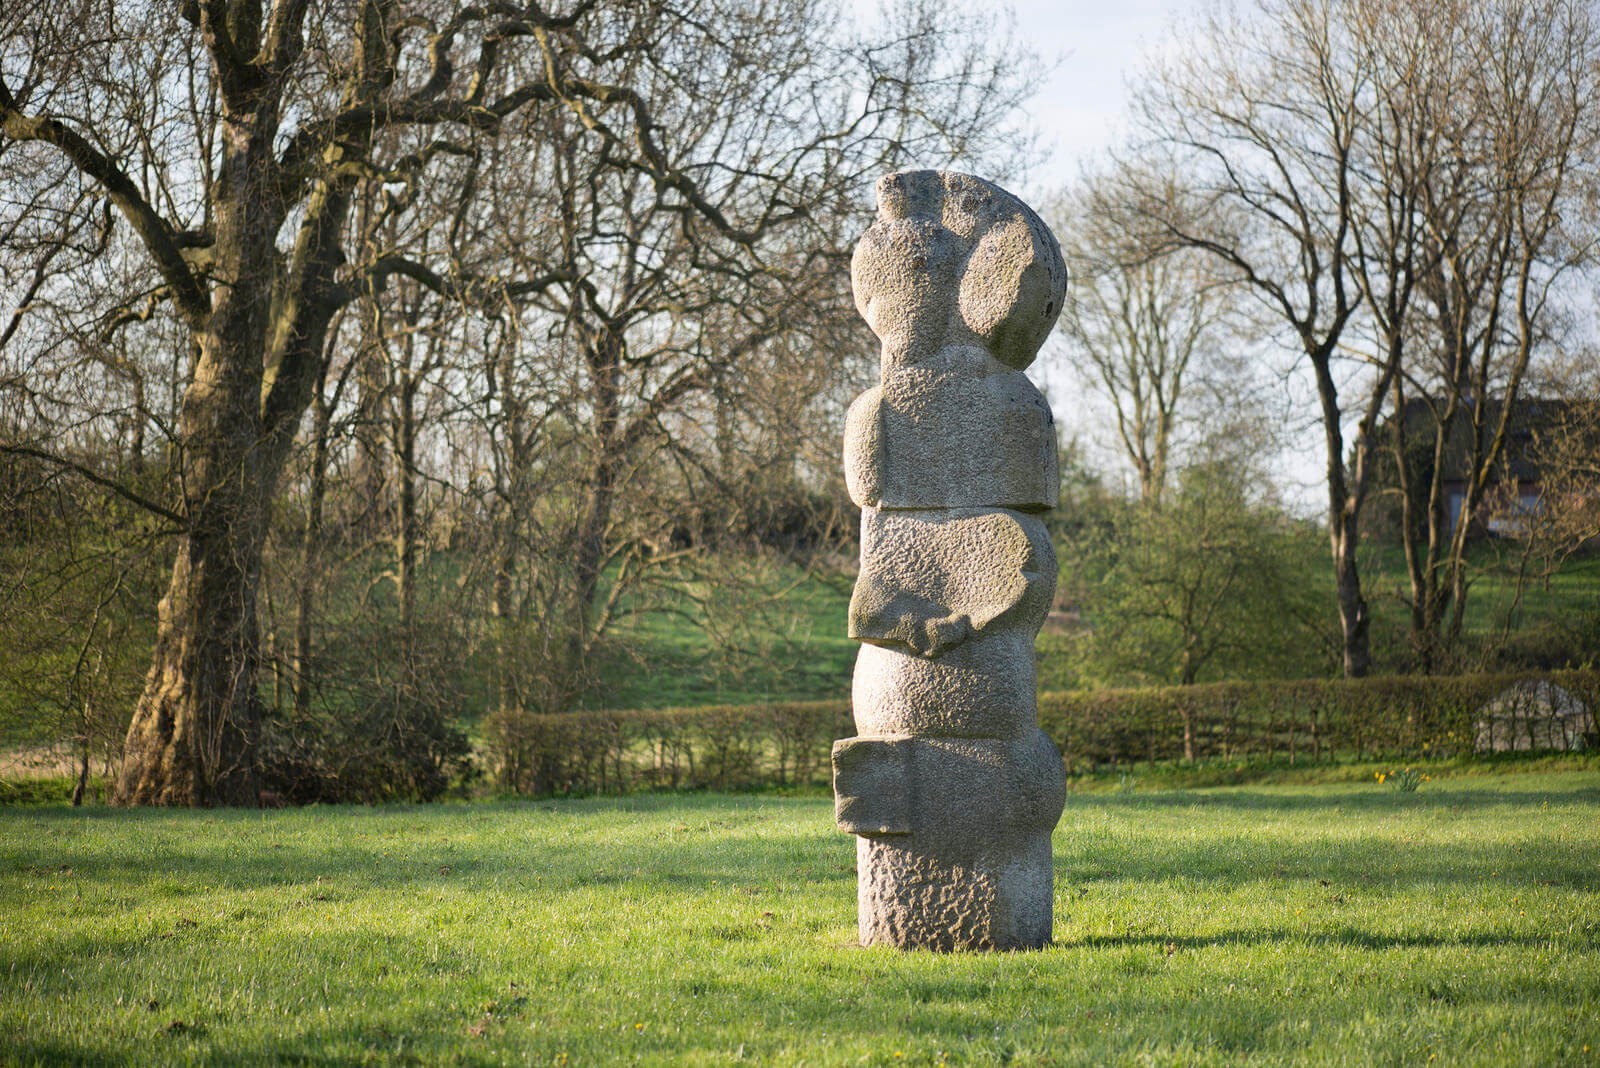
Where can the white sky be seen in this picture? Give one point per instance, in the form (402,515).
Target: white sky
(1091,47)
(1094,47)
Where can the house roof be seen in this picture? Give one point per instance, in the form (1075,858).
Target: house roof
(1532,420)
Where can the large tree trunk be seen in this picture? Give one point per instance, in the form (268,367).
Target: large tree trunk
(1344,519)
(194,731)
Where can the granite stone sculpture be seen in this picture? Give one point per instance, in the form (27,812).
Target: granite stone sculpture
(950,784)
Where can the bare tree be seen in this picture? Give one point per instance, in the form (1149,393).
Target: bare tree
(636,413)
(1506,218)
(1149,330)
(234,138)
(1262,120)
(1333,160)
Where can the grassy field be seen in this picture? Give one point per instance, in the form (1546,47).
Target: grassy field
(796,649)
(1342,924)
(673,662)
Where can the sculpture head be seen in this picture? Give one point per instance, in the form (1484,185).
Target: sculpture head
(956,260)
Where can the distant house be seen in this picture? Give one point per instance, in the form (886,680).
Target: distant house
(1517,481)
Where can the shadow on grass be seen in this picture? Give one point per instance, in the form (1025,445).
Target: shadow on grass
(706,840)
(32,1050)
(1386,861)
(1363,796)
(1348,937)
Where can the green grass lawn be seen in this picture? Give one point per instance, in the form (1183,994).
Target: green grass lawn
(1561,616)
(793,648)
(1344,924)
(805,655)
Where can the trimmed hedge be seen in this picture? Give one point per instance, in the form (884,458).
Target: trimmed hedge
(1300,719)
(741,746)
(718,746)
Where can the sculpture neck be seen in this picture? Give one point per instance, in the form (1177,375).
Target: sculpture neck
(960,357)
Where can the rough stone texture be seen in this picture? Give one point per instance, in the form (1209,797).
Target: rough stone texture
(965,795)
(983,688)
(950,784)
(872,786)
(1534,715)
(932,579)
(956,262)
(942,441)
(908,896)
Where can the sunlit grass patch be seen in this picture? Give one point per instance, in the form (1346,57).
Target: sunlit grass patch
(1337,923)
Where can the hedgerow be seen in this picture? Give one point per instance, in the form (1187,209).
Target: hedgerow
(743,746)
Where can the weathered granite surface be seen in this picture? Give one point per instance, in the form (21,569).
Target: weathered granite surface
(910,446)
(950,785)
(1534,714)
(932,579)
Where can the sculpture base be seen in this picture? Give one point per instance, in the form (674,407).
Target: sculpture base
(912,898)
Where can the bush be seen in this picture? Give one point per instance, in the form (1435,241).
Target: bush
(741,746)
(1300,719)
(390,732)
(395,751)
(718,746)
(56,790)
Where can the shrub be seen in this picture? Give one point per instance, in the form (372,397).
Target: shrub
(739,746)
(1301,718)
(390,732)
(721,746)
(397,751)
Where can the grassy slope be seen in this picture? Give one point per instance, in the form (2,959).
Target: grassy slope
(1573,595)
(673,662)
(676,663)
(1332,924)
